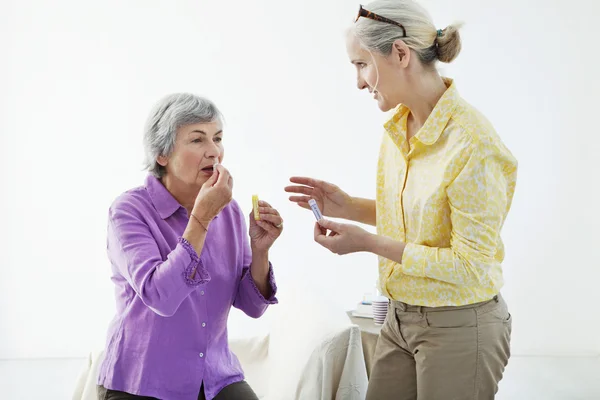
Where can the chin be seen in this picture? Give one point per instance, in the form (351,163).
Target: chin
(384,106)
(201,181)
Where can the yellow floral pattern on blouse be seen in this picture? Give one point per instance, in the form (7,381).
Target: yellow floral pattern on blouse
(446,194)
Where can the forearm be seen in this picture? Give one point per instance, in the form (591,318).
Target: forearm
(363,211)
(385,247)
(259,269)
(196,230)
(442,264)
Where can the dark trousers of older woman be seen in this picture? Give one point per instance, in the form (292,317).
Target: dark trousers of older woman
(235,391)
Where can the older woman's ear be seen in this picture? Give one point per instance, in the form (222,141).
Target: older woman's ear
(162,161)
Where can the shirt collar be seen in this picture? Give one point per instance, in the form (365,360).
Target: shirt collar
(162,199)
(437,120)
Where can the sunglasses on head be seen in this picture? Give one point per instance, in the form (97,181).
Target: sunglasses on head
(376,17)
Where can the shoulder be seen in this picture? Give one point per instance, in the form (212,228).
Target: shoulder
(133,202)
(478,133)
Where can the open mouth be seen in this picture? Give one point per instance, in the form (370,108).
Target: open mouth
(208,170)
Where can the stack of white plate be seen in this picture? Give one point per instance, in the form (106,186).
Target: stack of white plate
(380,308)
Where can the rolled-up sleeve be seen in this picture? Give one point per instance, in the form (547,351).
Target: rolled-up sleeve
(161,284)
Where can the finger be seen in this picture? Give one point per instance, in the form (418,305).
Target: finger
(264,204)
(251,215)
(324,241)
(304,205)
(223,173)
(332,226)
(274,219)
(221,168)
(321,237)
(222,178)
(304,180)
(212,179)
(268,210)
(319,231)
(300,199)
(273,231)
(299,189)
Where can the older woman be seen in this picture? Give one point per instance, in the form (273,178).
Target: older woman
(445,184)
(180,259)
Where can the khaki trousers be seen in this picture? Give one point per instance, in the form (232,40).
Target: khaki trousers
(441,353)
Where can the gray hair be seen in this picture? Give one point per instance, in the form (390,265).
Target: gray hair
(169,114)
(421,35)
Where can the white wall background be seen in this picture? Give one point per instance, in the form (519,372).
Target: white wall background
(77,80)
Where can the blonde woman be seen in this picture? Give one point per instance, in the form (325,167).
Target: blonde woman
(445,183)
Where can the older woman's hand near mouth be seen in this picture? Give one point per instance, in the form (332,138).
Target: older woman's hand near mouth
(214,195)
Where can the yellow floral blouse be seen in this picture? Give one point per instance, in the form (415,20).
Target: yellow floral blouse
(447,199)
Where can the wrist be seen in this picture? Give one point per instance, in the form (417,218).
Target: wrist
(259,253)
(350,209)
(260,265)
(201,215)
(203,224)
(370,243)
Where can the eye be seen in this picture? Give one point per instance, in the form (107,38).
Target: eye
(218,139)
(197,140)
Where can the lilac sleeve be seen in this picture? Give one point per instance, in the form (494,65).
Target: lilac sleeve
(161,284)
(249,299)
(195,273)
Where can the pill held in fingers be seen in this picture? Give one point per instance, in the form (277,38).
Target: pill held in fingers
(255,207)
(315,209)
(214,169)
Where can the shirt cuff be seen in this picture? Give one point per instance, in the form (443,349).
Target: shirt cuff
(195,273)
(414,259)
(272,299)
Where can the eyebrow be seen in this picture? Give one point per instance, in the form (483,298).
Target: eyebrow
(204,133)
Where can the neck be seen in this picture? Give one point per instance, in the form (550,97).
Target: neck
(185,194)
(427,91)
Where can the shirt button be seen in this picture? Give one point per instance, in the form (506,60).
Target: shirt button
(203,324)
(201,355)
(202,293)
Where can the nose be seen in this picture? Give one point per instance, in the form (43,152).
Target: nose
(212,151)
(361,83)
